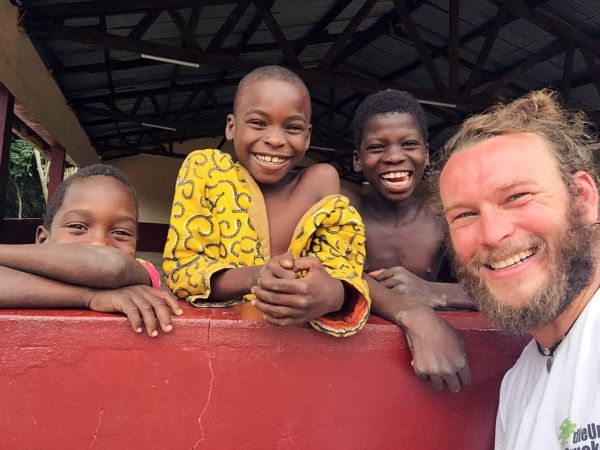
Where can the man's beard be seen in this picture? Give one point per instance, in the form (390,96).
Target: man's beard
(573,269)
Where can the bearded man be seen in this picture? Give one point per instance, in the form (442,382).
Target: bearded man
(519,194)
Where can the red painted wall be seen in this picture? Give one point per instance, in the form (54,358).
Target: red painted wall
(225,379)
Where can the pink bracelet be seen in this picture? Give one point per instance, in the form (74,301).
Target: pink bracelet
(154,275)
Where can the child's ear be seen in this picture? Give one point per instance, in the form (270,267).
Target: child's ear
(230,127)
(427,154)
(309,129)
(356,161)
(41,235)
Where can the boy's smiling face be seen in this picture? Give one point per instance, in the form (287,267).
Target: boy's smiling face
(392,155)
(97,210)
(270,128)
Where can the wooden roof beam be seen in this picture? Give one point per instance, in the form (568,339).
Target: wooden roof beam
(454,44)
(316,76)
(232,19)
(346,35)
(419,44)
(567,79)
(115,64)
(484,52)
(144,24)
(592,67)
(156,91)
(552,25)
(112,7)
(277,33)
(324,22)
(187,35)
(544,54)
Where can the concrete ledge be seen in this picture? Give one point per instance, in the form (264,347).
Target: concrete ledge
(225,379)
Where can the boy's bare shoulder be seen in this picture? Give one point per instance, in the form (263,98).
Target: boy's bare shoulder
(320,179)
(354,197)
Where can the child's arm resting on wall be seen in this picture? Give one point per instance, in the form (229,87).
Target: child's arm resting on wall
(432,294)
(139,303)
(82,265)
(438,352)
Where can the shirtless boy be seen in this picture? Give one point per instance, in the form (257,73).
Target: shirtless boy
(404,238)
(84,256)
(256,227)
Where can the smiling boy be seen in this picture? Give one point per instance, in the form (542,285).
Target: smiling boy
(258,228)
(84,256)
(404,238)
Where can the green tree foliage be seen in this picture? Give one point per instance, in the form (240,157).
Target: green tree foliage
(25,197)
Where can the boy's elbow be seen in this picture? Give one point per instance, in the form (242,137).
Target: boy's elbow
(115,270)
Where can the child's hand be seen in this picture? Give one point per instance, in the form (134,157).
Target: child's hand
(140,304)
(287,301)
(438,351)
(280,266)
(404,282)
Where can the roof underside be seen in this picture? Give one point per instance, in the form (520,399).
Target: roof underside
(456,57)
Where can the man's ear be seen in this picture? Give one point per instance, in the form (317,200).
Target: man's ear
(356,164)
(586,192)
(41,235)
(230,127)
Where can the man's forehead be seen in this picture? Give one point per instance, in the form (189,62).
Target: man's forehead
(500,160)
(515,149)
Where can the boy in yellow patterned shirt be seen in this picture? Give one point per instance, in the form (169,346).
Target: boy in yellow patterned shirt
(256,228)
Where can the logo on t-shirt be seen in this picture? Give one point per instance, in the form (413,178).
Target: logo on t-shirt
(581,438)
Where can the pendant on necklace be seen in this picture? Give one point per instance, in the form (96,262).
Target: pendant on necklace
(549,352)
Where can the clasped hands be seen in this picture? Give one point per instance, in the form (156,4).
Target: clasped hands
(292,291)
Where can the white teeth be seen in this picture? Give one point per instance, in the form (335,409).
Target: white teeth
(512,260)
(270,159)
(395,175)
(396,179)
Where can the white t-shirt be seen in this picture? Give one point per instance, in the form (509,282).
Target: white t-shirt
(560,409)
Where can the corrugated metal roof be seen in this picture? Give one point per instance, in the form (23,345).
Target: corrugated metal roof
(93,50)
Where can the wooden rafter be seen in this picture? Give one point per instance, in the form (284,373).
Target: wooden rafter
(454,44)
(547,52)
(592,67)
(420,47)
(361,39)
(553,25)
(115,65)
(112,7)
(354,23)
(144,24)
(277,33)
(567,79)
(213,84)
(187,35)
(230,22)
(324,22)
(317,76)
(482,57)
(180,101)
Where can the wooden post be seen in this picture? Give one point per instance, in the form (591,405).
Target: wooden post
(7,102)
(57,168)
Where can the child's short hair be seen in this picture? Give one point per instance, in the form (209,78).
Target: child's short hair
(271,73)
(386,102)
(89,171)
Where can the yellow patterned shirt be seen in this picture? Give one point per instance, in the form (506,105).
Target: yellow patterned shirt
(219,222)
